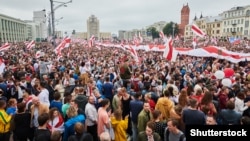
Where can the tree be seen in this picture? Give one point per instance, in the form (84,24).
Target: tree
(151,31)
(168,29)
(74,32)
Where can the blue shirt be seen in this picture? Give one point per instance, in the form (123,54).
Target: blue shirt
(11,110)
(135,107)
(108,90)
(99,86)
(56,104)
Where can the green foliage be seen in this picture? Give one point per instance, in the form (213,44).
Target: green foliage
(168,29)
(151,31)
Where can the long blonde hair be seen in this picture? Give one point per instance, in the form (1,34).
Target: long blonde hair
(71,112)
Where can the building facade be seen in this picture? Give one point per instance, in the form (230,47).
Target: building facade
(40,17)
(12,29)
(105,35)
(234,22)
(93,27)
(33,31)
(129,35)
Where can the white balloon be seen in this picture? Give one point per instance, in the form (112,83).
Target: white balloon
(226,82)
(219,74)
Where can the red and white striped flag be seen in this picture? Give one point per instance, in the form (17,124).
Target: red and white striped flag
(133,52)
(136,41)
(168,52)
(6,46)
(31,44)
(162,36)
(198,31)
(140,37)
(91,41)
(194,42)
(38,54)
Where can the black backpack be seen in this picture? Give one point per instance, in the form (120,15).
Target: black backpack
(85,136)
(166,135)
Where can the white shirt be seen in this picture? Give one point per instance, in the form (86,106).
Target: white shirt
(239,105)
(91,114)
(44,96)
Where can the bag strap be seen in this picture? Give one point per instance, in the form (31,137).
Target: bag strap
(166,134)
(182,137)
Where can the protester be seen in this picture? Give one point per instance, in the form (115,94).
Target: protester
(78,72)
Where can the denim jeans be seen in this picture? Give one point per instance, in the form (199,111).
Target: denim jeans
(134,131)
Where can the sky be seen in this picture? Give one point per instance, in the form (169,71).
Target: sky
(115,15)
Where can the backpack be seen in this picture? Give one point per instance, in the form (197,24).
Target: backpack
(166,135)
(85,136)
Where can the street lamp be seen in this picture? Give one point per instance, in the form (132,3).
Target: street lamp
(173,29)
(53,13)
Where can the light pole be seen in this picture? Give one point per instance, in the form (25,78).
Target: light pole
(173,30)
(53,13)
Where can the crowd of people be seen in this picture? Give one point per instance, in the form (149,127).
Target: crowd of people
(103,95)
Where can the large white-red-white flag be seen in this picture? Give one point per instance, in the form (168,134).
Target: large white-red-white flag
(168,52)
(65,43)
(31,45)
(198,31)
(67,40)
(6,46)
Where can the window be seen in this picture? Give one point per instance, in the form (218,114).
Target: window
(242,20)
(225,23)
(246,24)
(248,13)
(238,21)
(246,32)
(218,25)
(241,29)
(217,31)
(225,15)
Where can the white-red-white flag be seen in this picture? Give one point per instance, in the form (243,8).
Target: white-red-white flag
(65,43)
(168,52)
(38,54)
(31,44)
(198,31)
(67,40)
(6,46)
(162,36)
(91,41)
(136,41)
(133,52)
(140,37)
(194,42)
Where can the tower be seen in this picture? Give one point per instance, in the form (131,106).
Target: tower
(185,12)
(93,26)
